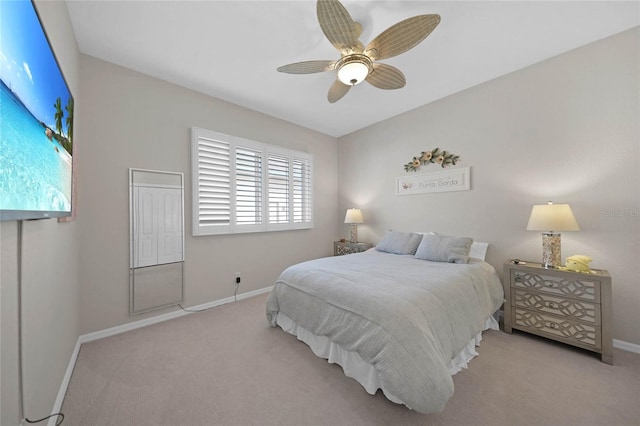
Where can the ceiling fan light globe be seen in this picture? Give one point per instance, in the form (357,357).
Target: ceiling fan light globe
(353,73)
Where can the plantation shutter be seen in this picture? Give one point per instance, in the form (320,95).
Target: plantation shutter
(248,186)
(213,182)
(301,190)
(241,185)
(278,188)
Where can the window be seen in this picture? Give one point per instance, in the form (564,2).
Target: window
(244,186)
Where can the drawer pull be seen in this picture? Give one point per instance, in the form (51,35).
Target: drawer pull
(552,325)
(552,305)
(549,284)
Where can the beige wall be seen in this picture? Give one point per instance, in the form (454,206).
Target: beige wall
(565,130)
(50,281)
(133,120)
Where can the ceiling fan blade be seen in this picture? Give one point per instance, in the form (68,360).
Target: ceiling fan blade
(337,25)
(386,77)
(337,90)
(402,36)
(307,67)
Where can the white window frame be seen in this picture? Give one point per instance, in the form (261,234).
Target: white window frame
(298,199)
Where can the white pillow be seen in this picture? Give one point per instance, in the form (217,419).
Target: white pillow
(399,242)
(478,250)
(442,248)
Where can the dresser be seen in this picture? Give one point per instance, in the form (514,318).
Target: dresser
(569,307)
(345,247)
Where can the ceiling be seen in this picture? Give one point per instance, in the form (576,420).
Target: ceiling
(231,49)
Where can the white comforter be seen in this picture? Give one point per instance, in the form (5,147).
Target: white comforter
(406,317)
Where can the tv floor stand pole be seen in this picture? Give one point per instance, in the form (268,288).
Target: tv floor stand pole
(19,278)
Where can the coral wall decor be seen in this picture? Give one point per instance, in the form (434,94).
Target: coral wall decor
(443,158)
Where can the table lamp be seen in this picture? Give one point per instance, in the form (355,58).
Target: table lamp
(353,216)
(551,218)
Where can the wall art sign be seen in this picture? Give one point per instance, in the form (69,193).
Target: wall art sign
(458,179)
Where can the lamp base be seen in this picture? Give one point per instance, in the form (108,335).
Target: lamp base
(550,250)
(354,233)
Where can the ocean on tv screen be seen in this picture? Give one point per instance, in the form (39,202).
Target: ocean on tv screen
(35,171)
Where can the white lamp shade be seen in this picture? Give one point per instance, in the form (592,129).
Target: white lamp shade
(353,216)
(552,217)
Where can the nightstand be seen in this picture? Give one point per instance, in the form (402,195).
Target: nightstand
(569,307)
(340,247)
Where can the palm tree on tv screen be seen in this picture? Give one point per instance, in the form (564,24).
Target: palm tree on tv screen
(58,116)
(69,108)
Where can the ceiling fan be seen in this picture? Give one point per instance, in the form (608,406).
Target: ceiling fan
(357,62)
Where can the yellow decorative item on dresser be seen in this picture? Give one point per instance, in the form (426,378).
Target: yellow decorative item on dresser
(578,263)
(570,307)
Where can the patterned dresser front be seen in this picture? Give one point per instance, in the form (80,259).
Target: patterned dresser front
(344,247)
(570,307)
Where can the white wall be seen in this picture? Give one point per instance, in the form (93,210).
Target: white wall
(133,120)
(49,276)
(565,130)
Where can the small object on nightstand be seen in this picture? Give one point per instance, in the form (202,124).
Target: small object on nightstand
(578,263)
(566,306)
(344,247)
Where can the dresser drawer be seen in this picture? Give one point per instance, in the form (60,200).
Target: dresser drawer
(578,333)
(574,288)
(545,303)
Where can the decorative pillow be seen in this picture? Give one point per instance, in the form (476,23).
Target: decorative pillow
(399,242)
(441,248)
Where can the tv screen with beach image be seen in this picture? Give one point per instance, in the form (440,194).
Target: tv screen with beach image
(36,120)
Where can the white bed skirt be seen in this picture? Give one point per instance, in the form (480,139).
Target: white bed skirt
(355,367)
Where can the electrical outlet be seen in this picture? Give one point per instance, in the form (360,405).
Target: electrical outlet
(237,277)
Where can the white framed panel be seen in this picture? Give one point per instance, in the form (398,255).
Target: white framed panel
(156,212)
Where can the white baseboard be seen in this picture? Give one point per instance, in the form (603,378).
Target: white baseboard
(132,326)
(65,383)
(165,317)
(626,346)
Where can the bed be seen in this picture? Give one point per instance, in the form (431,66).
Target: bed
(392,319)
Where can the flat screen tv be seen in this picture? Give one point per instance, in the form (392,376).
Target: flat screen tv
(36,120)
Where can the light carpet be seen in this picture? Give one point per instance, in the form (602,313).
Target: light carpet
(227,366)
